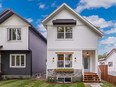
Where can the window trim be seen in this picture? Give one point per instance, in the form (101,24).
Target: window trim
(19,59)
(64,32)
(8,34)
(64,79)
(110,63)
(65,61)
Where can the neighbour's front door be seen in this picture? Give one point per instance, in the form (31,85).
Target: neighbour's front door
(86,61)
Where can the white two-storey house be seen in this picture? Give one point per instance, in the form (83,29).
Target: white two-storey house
(72,46)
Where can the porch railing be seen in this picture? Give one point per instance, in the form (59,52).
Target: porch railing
(99,73)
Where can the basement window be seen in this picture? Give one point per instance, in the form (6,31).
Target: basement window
(64,79)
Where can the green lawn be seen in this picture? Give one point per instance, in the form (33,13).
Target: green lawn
(36,83)
(106,84)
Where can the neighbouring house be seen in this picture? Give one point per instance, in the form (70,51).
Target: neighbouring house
(101,61)
(111,62)
(23,50)
(72,47)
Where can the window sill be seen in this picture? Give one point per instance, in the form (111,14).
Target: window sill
(64,39)
(17,67)
(14,40)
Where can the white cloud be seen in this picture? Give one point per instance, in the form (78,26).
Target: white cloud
(107,44)
(111,31)
(100,22)
(54,4)
(42,29)
(109,41)
(91,4)
(29,20)
(42,6)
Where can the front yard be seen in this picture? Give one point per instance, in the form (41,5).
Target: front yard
(106,84)
(36,83)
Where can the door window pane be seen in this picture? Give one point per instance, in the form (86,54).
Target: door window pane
(14,34)
(60,29)
(13,61)
(68,60)
(60,60)
(68,29)
(22,60)
(18,34)
(68,35)
(17,60)
(86,63)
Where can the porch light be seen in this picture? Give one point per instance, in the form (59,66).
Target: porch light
(75,59)
(87,53)
(53,59)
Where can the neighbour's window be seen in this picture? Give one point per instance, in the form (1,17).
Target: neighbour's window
(14,33)
(64,60)
(110,64)
(64,32)
(18,60)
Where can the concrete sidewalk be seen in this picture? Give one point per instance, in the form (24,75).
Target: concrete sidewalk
(93,84)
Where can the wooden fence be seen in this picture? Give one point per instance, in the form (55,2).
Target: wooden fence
(105,76)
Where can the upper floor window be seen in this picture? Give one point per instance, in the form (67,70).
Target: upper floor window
(14,33)
(64,32)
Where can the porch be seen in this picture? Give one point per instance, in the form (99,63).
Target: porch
(91,72)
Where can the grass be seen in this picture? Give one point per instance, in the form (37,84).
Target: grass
(36,83)
(106,84)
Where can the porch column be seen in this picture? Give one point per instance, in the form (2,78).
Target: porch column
(96,61)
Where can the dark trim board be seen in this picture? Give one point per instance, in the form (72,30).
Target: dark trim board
(5,61)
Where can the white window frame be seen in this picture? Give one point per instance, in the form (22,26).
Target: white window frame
(8,29)
(65,33)
(64,78)
(64,62)
(110,64)
(15,61)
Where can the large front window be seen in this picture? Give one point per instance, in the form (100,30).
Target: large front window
(64,32)
(17,60)
(64,60)
(14,34)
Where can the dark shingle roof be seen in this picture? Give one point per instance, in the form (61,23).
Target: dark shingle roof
(8,13)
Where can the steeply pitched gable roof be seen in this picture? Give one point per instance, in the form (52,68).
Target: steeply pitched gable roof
(64,5)
(8,13)
(112,51)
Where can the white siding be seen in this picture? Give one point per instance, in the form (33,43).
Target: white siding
(83,39)
(14,22)
(75,65)
(112,58)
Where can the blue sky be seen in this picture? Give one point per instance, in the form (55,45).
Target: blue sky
(99,12)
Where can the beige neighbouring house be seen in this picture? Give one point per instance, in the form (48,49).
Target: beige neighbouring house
(72,47)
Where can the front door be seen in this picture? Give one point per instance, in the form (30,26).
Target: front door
(86,61)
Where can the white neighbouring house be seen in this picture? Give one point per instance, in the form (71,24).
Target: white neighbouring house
(72,46)
(111,62)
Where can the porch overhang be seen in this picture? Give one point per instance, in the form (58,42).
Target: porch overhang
(64,22)
(1,46)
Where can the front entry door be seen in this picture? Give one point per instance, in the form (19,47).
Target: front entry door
(86,61)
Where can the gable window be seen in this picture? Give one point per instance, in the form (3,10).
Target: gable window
(18,60)
(110,64)
(64,32)
(14,33)
(64,60)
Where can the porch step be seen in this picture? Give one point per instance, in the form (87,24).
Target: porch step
(91,77)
